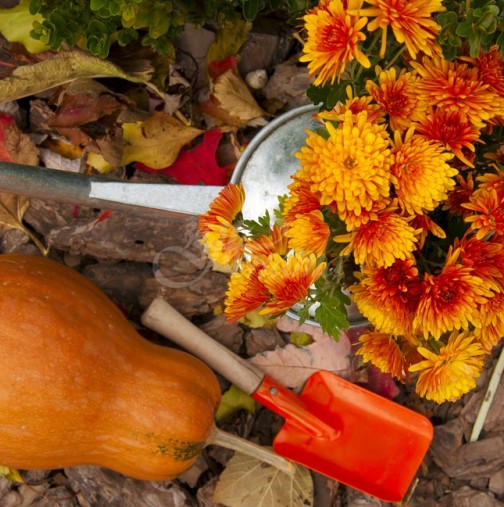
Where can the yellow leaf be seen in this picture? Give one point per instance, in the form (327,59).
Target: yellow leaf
(16,24)
(63,67)
(11,474)
(12,210)
(234,399)
(157,141)
(96,161)
(235,98)
(229,40)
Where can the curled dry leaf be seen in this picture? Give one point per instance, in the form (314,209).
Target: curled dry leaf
(247,482)
(157,141)
(232,103)
(12,210)
(64,67)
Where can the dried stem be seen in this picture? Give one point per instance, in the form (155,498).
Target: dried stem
(236,443)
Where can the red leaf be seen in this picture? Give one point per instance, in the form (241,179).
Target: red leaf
(197,165)
(218,67)
(6,120)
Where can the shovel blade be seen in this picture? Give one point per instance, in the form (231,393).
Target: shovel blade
(377,448)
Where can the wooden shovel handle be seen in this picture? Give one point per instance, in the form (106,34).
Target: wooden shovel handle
(164,319)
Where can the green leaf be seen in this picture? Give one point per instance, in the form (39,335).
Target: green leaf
(251,8)
(261,227)
(464,29)
(16,24)
(232,400)
(96,5)
(332,314)
(300,339)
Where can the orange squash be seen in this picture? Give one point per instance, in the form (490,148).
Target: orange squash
(78,385)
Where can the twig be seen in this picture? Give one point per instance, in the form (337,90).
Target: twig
(489,396)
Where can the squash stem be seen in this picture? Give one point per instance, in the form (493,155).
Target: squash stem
(236,443)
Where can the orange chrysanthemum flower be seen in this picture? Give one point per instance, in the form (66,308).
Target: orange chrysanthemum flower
(309,233)
(492,322)
(425,224)
(420,174)
(397,97)
(223,244)
(265,245)
(300,199)
(451,130)
(492,180)
(288,280)
(333,39)
(491,69)
(449,299)
(349,169)
(411,21)
(227,205)
(460,195)
(388,297)
(457,87)
(246,293)
(452,372)
(485,257)
(381,242)
(488,212)
(356,105)
(384,352)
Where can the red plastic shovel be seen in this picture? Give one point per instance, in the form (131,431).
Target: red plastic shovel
(333,427)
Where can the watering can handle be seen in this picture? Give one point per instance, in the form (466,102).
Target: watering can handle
(164,319)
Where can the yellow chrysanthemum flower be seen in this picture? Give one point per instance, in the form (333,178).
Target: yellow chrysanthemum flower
(382,241)
(397,97)
(420,174)
(452,372)
(309,233)
(288,280)
(333,39)
(223,244)
(456,86)
(491,331)
(411,21)
(350,169)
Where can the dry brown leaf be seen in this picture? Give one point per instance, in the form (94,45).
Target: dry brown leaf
(292,365)
(235,98)
(157,141)
(12,210)
(248,482)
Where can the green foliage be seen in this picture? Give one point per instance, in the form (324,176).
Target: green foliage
(97,24)
(259,227)
(477,25)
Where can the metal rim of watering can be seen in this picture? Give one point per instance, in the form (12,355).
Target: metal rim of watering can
(266,166)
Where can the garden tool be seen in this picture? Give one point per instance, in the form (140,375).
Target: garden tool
(264,169)
(333,426)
